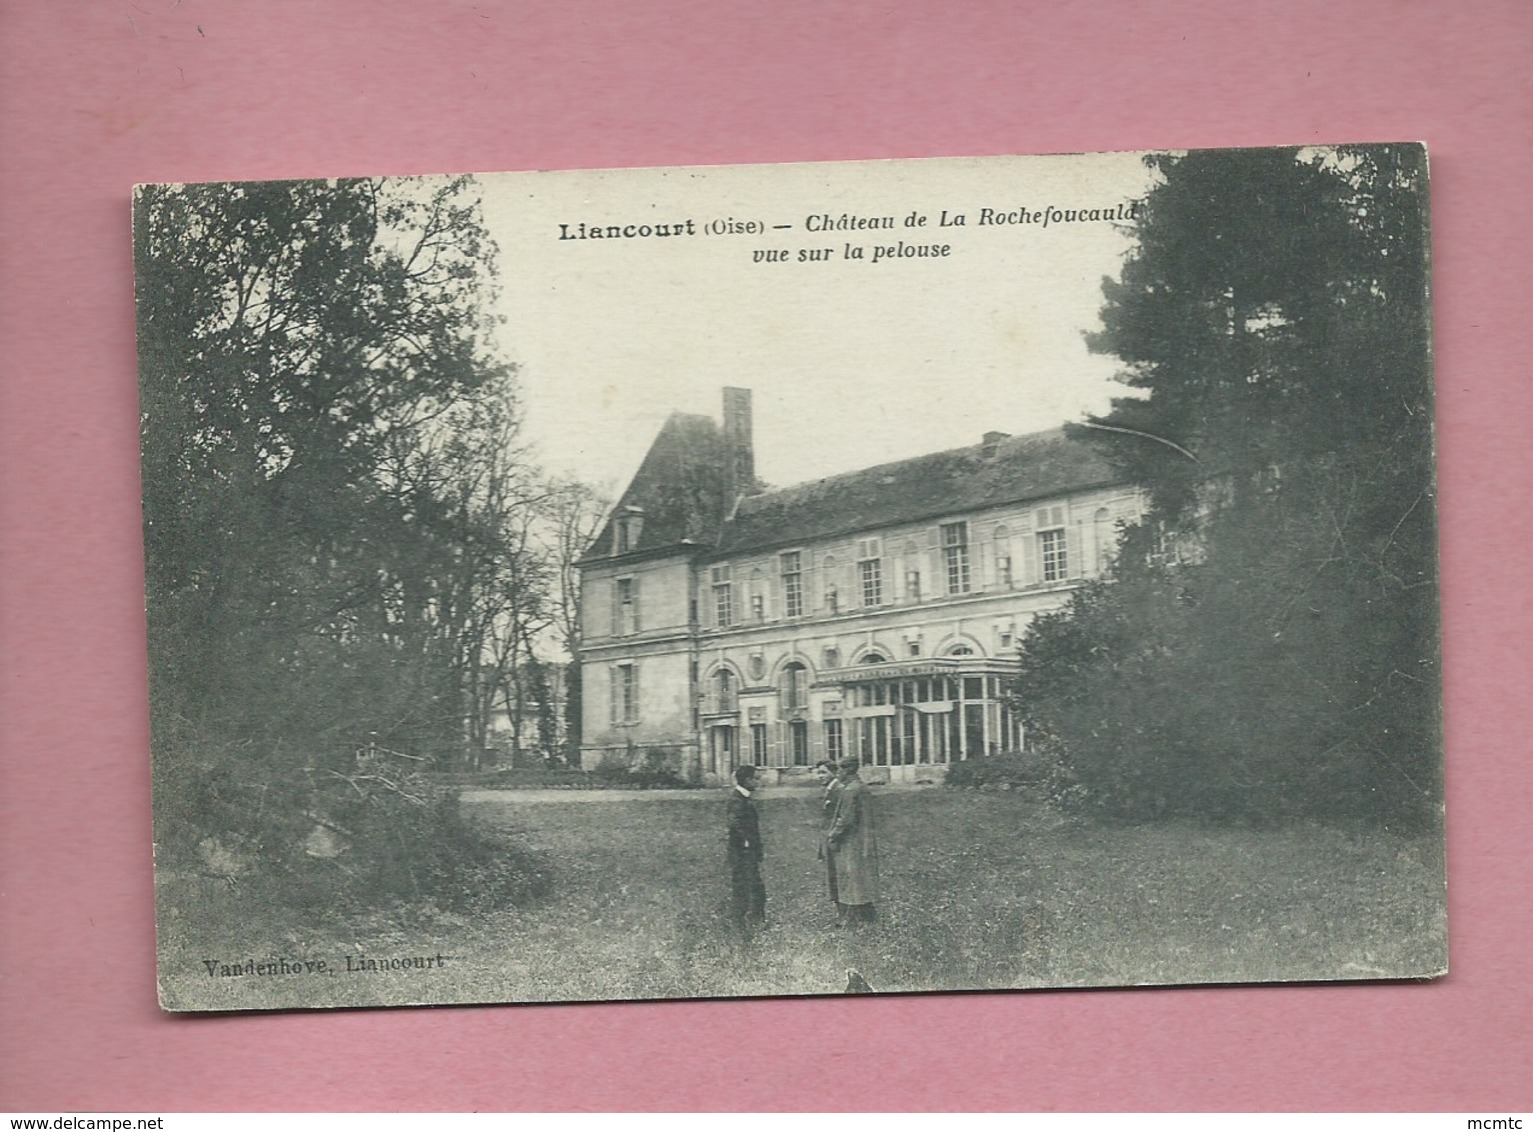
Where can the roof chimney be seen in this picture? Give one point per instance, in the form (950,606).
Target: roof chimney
(739,452)
(992,441)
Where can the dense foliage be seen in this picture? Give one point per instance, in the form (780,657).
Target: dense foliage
(1038,775)
(336,518)
(658,768)
(1267,645)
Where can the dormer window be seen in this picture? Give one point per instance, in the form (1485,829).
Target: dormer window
(626,530)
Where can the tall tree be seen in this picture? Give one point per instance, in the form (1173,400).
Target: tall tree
(574,518)
(1273,320)
(1274,309)
(308,353)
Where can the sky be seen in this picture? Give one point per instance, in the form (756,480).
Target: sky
(852,362)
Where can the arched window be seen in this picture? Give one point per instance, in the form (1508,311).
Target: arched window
(795,687)
(872,658)
(724,691)
(960,650)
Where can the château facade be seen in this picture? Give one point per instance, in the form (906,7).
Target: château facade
(875,613)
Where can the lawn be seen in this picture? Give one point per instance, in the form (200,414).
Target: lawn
(981,891)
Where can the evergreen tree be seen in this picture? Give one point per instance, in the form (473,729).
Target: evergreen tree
(1269,644)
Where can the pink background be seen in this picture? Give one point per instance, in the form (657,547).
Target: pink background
(99,95)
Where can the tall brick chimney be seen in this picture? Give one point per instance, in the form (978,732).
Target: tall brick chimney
(740,453)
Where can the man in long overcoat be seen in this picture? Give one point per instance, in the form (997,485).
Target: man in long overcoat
(853,846)
(747,903)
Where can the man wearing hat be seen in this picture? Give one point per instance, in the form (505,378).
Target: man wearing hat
(747,891)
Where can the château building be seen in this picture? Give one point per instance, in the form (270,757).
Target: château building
(875,613)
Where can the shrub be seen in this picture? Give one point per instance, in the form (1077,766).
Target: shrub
(301,831)
(1036,774)
(1270,681)
(425,853)
(656,768)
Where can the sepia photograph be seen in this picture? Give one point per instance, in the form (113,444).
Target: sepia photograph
(846,578)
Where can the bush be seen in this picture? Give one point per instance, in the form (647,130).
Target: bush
(301,831)
(1273,680)
(424,853)
(656,768)
(1038,775)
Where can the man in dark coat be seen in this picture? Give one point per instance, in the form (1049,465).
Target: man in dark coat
(747,891)
(825,772)
(853,847)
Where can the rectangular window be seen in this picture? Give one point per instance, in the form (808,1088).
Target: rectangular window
(792,584)
(625,693)
(870,571)
(955,556)
(835,743)
(798,742)
(759,744)
(626,617)
(723,598)
(1051,552)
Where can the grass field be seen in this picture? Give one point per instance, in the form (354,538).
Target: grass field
(980,891)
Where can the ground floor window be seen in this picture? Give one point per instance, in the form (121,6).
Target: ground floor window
(835,742)
(798,741)
(625,694)
(932,719)
(721,750)
(759,744)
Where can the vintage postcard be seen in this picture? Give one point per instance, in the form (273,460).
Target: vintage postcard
(987,573)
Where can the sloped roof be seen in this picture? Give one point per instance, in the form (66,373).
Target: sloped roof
(1014,469)
(680,487)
